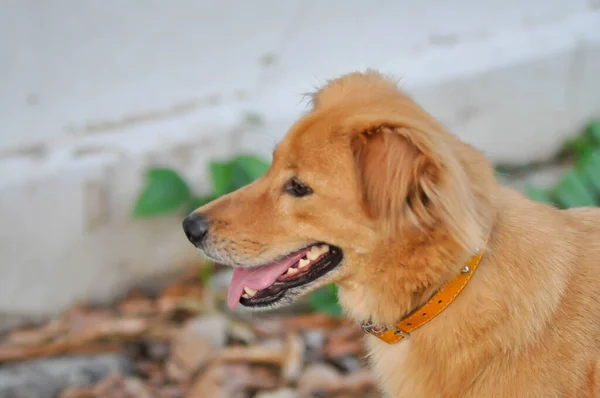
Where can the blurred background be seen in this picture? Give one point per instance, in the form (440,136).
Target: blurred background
(119,117)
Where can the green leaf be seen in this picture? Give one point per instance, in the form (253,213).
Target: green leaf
(332,309)
(325,300)
(239,177)
(579,146)
(589,169)
(571,191)
(165,192)
(206,272)
(254,166)
(229,176)
(592,132)
(220,174)
(196,202)
(537,194)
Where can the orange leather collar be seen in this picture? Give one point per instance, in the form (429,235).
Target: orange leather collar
(419,317)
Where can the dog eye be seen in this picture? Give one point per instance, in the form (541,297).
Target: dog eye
(297,189)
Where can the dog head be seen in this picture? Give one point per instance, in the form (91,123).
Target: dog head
(358,188)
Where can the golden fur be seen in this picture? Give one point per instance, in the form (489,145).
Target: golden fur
(408,203)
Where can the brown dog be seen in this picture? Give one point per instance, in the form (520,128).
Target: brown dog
(370,192)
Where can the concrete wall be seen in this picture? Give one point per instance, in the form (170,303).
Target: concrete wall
(92,92)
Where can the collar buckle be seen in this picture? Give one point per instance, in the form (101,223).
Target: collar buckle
(369,327)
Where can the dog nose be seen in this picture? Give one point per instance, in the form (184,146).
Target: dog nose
(195,227)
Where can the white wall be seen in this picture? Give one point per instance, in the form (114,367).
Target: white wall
(91,92)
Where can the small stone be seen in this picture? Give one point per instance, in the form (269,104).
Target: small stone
(136,388)
(318,378)
(314,340)
(220,280)
(212,328)
(47,377)
(349,363)
(158,351)
(241,332)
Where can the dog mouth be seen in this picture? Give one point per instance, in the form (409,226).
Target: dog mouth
(264,285)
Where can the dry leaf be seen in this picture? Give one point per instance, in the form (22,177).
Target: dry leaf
(281,393)
(139,306)
(294,357)
(33,336)
(253,354)
(211,384)
(341,348)
(189,351)
(309,321)
(278,358)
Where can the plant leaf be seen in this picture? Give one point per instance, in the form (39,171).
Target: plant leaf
(220,174)
(165,192)
(254,166)
(206,272)
(538,194)
(229,176)
(196,202)
(580,146)
(592,132)
(589,168)
(571,191)
(332,309)
(325,300)
(239,177)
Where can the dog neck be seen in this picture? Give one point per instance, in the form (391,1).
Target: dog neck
(401,280)
(418,317)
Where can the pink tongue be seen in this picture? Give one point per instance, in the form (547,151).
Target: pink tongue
(259,278)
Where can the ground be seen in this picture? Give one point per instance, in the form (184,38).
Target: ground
(178,342)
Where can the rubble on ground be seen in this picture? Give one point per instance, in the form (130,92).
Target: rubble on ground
(179,344)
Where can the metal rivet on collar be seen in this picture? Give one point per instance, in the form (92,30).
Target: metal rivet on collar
(465,270)
(399,332)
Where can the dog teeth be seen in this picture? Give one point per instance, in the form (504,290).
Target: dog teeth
(292,271)
(303,263)
(249,291)
(245,295)
(316,251)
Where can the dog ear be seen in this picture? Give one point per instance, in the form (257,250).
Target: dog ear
(407,180)
(387,164)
